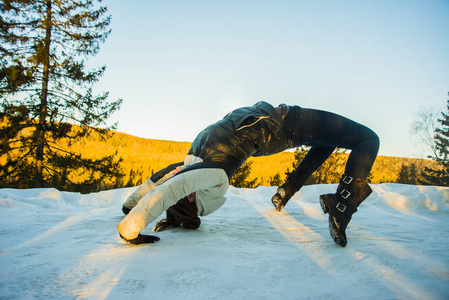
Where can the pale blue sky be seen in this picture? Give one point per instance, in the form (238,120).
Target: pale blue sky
(182,65)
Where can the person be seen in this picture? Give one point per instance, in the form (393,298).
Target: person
(197,186)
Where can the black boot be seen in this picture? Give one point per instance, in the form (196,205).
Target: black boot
(342,205)
(291,185)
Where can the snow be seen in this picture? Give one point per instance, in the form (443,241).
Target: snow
(58,245)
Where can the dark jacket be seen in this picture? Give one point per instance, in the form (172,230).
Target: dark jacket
(248,131)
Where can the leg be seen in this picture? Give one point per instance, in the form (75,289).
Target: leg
(159,199)
(325,129)
(351,192)
(296,179)
(337,131)
(362,158)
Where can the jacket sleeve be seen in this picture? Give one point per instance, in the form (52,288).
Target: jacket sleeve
(160,198)
(149,184)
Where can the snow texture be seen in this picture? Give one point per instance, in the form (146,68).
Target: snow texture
(60,245)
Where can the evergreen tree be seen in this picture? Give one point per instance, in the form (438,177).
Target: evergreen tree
(275,180)
(134,178)
(328,172)
(408,174)
(370,178)
(130,181)
(45,90)
(299,155)
(441,153)
(413,174)
(240,178)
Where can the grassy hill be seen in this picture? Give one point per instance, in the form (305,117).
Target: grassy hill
(142,157)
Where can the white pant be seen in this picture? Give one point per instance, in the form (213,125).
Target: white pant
(210,186)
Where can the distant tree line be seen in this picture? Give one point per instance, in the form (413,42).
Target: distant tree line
(331,170)
(142,157)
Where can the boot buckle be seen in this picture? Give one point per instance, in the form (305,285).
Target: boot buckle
(347,179)
(345,194)
(341,207)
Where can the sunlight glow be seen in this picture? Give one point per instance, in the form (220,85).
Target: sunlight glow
(295,232)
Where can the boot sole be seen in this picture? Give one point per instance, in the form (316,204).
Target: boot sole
(337,236)
(334,230)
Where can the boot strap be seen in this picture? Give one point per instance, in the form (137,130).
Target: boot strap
(360,191)
(347,179)
(354,203)
(345,194)
(341,207)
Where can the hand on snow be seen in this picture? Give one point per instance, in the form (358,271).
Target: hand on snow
(142,239)
(125,210)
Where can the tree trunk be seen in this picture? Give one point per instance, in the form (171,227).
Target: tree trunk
(40,130)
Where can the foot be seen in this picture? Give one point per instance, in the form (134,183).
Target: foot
(339,216)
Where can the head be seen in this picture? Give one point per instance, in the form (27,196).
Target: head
(183,212)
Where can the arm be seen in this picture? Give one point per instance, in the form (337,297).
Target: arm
(159,199)
(149,184)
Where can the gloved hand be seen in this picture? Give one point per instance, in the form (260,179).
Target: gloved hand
(125,210)
(142,239)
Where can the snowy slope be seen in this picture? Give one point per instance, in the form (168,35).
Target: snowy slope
(64,245)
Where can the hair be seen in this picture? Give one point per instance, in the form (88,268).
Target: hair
(183,212)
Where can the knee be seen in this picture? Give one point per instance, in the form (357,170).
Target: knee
(375,142)
(370,140)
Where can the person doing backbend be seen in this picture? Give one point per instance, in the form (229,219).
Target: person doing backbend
(198,185)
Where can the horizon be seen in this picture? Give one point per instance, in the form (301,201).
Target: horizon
(288,150)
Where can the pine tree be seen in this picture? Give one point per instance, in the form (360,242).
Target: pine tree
(328,172)
(275,180)
(240,178)
(441,153)
(45,90)
(134,178)
(413,174)
(299,155)
(403,174)
(408,174)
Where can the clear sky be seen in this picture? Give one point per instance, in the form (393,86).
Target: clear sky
(182,65)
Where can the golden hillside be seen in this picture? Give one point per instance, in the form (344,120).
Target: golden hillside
(146,156)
